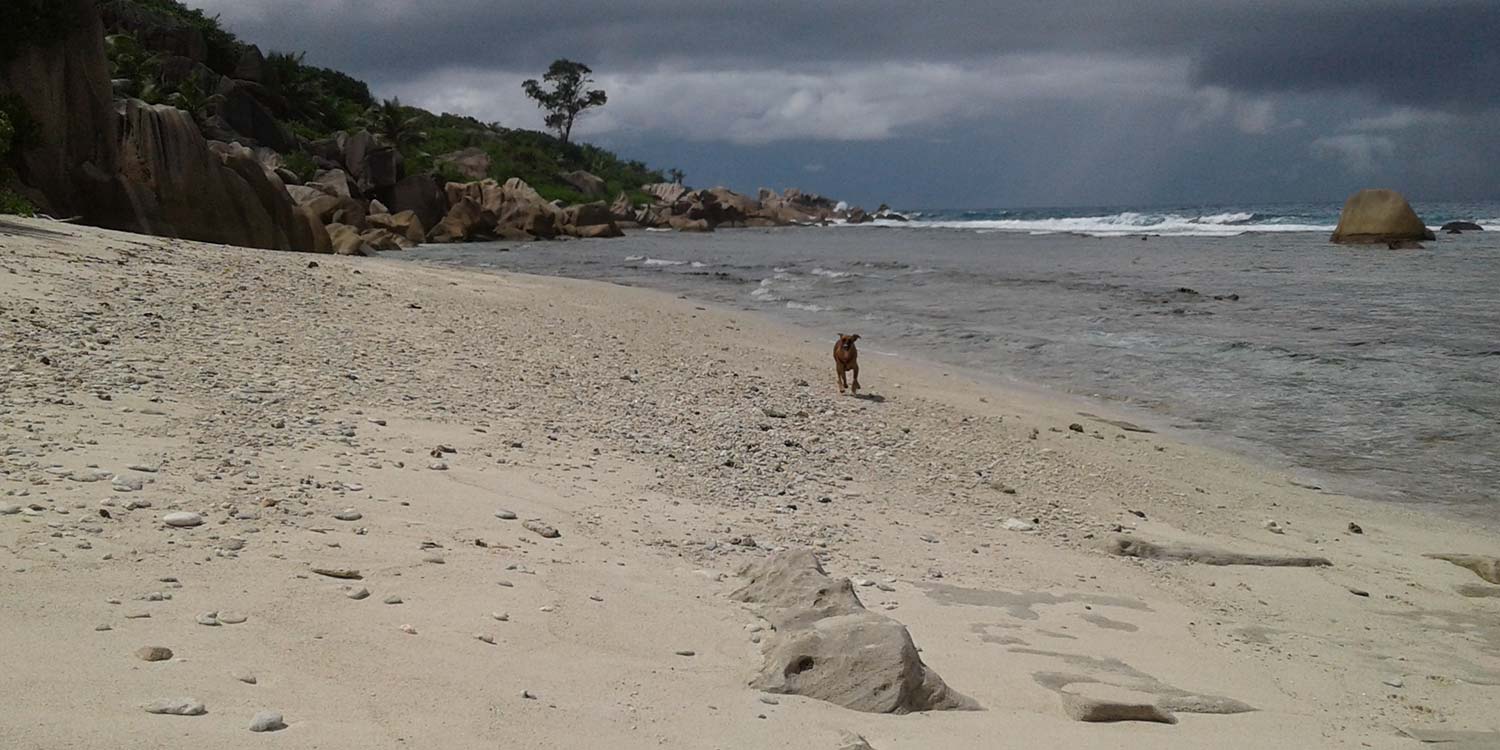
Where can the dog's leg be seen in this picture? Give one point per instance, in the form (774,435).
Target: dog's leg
(855,372)
(839,368)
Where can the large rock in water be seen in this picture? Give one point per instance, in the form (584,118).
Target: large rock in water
(826,645)
(1379,217)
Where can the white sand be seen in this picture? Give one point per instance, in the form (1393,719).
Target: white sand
(253,381)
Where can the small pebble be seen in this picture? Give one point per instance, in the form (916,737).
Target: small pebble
(487,638)
(392,599)
(232,618)
(685,652)
(505,515)
(348,514)
(409,630)
(210,619)
(357,594)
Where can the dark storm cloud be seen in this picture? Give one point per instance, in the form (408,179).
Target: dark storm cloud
(1420,52)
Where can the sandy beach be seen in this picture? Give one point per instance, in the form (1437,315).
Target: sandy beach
(418,426)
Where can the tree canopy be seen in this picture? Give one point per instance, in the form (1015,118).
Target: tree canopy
(567,96)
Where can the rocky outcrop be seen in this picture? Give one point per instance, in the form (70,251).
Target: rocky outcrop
(1379,217)
(405,224)
(64,87)
(243,112)
(464,221)
(591,220)
(1456,227)
(347,240)
(196,194)
(470,163)
(666,192)
(826,645)
(374,167)
(421,195)
(586,184)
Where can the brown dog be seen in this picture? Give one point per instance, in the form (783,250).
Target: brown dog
(846,359)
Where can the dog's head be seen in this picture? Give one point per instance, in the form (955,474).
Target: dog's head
(846,341)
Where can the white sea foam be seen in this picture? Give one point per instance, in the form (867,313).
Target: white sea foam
(698,264)
(1123,224)
(829,274)
(661,262)
(634,258)
(805,306)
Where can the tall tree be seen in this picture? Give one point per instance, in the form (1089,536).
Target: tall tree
(567,96)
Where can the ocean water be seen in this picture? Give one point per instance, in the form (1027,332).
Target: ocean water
(1368,370)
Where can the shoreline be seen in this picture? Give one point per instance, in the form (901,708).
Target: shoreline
(1266,455)
(669,443)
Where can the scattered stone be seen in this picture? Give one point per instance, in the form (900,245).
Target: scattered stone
(245,676)
(232,618)
(210,619)
(408,629)
(1273,527)
(1016,524)
(1394,682)
(392,599)
(357,594)
(438,466)
(826,645)
(348,514)
(153,653)
(127,483)
(1128,547)
(102,627)
(528,695)
(9,509)
(541,529)
(267,721)
(1113,705)
(433,557)
(1076,427)
(182,519)
(177,707)
(1355,528)
(685,652)
(1359,592)
(487,638)
(345,573)
(505,515)
(501,616)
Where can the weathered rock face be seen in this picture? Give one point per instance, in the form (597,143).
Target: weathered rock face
(405,224)
(308,232)
(590,186)
(197,196)
(666,192)
(421,195)
(591,220)
(268,188)
(471,163)
(334,182)
(251,66)
(826,645)
(347,240)
(65,89)
(1378,217)
(374,167)
(244,112)
(463,222)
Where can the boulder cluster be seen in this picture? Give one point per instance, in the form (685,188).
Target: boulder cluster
(219,174)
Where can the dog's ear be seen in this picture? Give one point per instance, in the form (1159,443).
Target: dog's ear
(855,337)
(842,336)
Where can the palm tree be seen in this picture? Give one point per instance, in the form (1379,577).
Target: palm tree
(395,123)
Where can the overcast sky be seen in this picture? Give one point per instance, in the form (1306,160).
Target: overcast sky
(965,104)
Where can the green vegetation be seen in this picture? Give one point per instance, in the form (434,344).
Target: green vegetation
(316,103)
(10,203)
